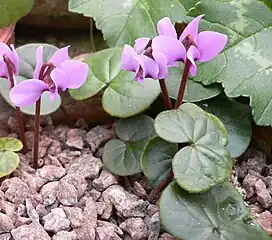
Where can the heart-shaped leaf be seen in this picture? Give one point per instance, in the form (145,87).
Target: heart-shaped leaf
(122,157)
(13,10)
(205,162)
(27,62)
(234,117)
(123,96)
(194,91)
(219,214)
(156,160)
(10,144)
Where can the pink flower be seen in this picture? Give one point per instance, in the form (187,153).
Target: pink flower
(12,55)
(202,47)
(59,74)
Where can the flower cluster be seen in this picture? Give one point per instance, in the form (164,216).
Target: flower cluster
(152,57)
(58,74)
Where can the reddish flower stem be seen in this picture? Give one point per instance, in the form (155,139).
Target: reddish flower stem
(19,116)
(165,95)
(163,184)
(183,83)
(36,138)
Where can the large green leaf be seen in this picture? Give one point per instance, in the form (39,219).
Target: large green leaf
(122,21)
(219,214)
(27,62)
(13,10)
(122,157)
(123,96)
(205,162)
(234,117)
(156,160)
(245,67)
(194,91)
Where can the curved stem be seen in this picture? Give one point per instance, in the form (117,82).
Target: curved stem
(165,95)
(11,70)
(183,83)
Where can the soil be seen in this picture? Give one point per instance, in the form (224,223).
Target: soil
(252,176)
(71,195)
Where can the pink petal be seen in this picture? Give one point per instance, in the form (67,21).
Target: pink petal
(193,55)
(15,58)
(53,95)
(148,67)
(39,62)
(191,29)
(210,44)
(161,60)
(60,79)
(76,74)
(128,62)
(166,28)
(170,47)
(27,92)
(140,44)
(60,56)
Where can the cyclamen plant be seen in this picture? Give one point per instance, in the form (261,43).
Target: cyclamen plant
(58,74)
(150,58)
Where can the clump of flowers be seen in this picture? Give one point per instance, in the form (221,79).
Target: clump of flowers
(150,58)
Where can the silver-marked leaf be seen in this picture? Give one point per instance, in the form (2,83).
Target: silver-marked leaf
(10,144)
(205,162)
(122,156)
(27,62)
(235,119)
(156,160)
(194,91)
(123,96)
(219,214)
(245,67)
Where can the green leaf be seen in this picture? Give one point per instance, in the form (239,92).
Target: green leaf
(194,92)
(10,144)
(245,67)
(13,10)
(27,62)
(9,161)
(156,160)
(219,214)
(123,96)
(205,162)
(122,21)
(122,157)
(235,119)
